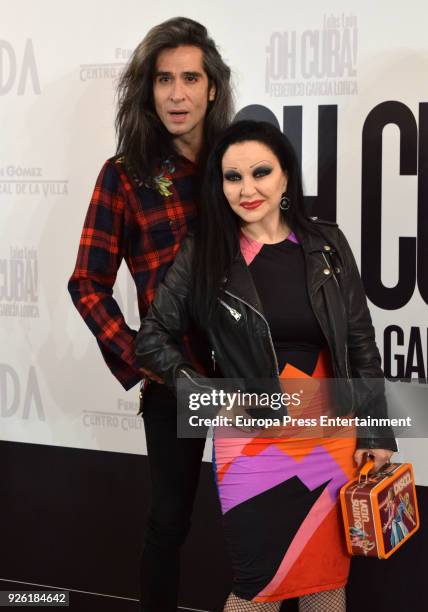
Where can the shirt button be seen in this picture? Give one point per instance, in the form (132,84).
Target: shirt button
(326,271)
(327,247)
(337,270)
(171,222)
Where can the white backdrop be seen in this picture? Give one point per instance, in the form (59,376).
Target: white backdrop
(58,66)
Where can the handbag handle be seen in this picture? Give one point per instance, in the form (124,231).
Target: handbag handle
(364,471)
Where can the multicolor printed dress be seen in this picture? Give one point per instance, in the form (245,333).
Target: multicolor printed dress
(279,496)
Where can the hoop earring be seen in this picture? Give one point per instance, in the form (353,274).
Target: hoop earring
(284,203)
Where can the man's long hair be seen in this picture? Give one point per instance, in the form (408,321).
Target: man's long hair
(142,139)
(217,234)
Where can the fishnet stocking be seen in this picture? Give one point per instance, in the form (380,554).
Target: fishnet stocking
(325,601)
(236,604)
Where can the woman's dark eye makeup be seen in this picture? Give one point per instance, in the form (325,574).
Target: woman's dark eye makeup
(231,175)
(260,171)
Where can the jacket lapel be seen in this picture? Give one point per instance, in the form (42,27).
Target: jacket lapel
(240,283)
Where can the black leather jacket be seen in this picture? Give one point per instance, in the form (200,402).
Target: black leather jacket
(239,334)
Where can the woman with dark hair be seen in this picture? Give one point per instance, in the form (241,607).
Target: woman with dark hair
(280,297)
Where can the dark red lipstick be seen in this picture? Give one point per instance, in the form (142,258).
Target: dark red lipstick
(251,205)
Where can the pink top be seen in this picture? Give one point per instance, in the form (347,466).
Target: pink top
(250,247)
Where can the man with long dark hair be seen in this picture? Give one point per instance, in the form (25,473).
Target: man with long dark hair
(174,98)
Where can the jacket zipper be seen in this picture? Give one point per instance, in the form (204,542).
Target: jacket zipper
(235,314)
(316,315)
(193,380)
(346,345)
(264,319)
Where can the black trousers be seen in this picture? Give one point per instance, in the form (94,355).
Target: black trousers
(174,471)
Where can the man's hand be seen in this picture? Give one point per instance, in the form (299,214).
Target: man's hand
(380,456)
(151,376)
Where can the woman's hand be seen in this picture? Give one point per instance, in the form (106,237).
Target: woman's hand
(380,456)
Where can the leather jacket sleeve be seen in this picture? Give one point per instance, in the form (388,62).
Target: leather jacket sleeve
(363,354)
(157,346)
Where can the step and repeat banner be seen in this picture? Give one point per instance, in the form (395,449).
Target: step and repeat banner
(346,81)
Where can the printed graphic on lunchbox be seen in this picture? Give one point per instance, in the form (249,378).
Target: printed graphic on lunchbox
(397,511)
(360,539)
(361,529)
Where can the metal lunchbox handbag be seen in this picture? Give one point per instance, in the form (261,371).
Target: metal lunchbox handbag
(380,510)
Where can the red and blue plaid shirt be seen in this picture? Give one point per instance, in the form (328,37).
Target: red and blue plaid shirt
(144,225)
